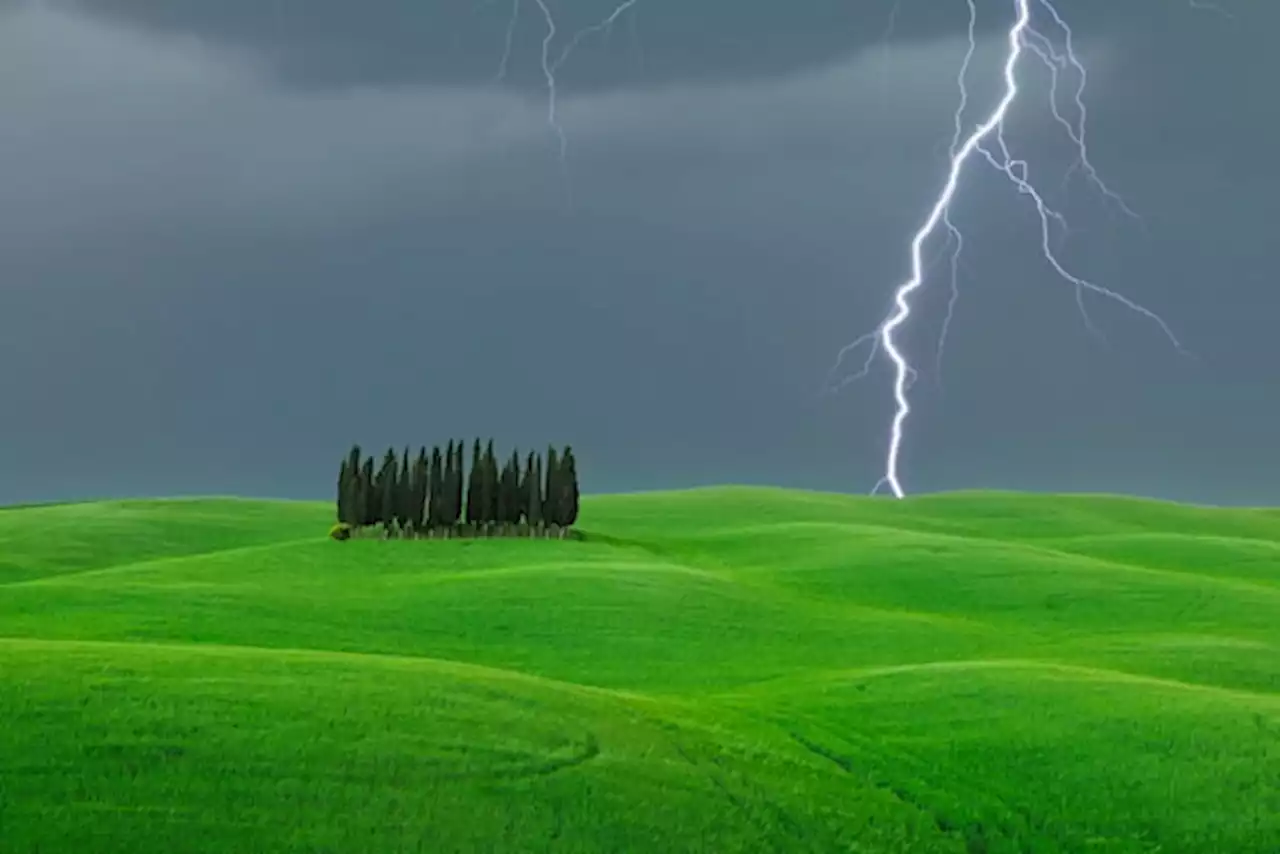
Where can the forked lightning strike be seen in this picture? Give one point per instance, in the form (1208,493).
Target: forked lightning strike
(987,140)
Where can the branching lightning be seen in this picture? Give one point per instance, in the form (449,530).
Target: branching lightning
(549,73)
(604,26)
(987,141)
(551,67)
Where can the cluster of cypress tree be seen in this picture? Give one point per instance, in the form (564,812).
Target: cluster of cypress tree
(432,494)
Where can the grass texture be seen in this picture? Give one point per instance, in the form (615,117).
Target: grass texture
(718,670)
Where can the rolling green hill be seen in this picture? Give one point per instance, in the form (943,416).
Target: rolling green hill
(714,670)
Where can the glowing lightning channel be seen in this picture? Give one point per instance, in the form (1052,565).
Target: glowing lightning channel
(1020,36)
(512,23)
(550,67)
(953,233)
(549,74)
(1055,62)
(605,26)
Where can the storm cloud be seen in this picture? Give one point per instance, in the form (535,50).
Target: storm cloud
(237,236)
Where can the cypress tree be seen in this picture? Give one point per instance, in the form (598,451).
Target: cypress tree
(551,489)
(428,492)
(456,485)
(489,486)
(349,489)
(389,492)
(421,487)
(572,494)
(523,487)
(533,498)
(344,487)
(375,496)
(404,492)
(446,488)
(505,498)
(410,493)
(367,499)
(474,488)
(511,486)
(435,497)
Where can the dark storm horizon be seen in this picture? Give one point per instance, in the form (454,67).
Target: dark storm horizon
(239,236)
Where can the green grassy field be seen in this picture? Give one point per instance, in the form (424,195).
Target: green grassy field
(715,670)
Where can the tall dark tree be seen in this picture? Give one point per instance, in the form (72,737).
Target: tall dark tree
(373,498)
(388,492)
(344,492)
(525,474)
(551,488)
(504,502)
(377,487)
(474,487)
(404,491)
(421,486)
(510,488)
(455,485)
(447,510)
(435,494)
(533,498)
(349,489)
(489,486)
(572,493)
(366,503)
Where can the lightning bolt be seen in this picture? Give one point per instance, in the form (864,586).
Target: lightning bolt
(512,23)
(549,74)
(605,26)
(953,234)
(1056,62)
(551,67)
(987,141)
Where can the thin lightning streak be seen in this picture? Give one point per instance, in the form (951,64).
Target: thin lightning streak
(550,67)
(889,28)
(872,337)
(605,26)
(1021,36)
(512,22)
(957,241)
(953,233)
(1056,63)
(892,24)
(549,74)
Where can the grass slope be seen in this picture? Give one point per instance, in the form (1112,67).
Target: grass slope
(713,670)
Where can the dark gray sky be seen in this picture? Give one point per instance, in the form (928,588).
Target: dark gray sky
(237,235)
